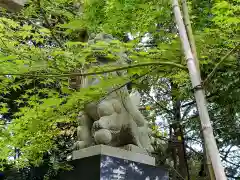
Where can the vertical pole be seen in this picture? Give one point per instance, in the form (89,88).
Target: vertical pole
(188,26)
(199,96)
(191,39)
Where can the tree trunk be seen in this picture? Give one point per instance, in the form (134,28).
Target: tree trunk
(178,139)
(173,152)
(199,96)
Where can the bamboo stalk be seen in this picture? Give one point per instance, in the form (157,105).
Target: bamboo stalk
(188,26)
(210,170)
(207,161)
(191,39)
(199,96)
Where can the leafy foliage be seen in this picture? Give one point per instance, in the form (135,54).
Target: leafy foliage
(41,46)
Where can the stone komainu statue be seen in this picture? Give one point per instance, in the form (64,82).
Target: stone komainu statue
(114,120)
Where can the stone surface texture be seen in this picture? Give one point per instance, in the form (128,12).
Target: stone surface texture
(12,5)
(115,120)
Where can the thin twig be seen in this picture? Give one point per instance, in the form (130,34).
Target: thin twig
(158,104)
(97,72)
(219,63)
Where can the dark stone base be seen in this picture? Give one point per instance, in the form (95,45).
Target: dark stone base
(103,167)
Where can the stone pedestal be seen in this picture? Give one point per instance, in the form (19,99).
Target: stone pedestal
(109,163)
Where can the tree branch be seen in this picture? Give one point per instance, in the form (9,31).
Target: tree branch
(97,72)
(186,112)
(193,102)
(228,151)
(230,162)
(193,150)
(49,25)
(219,63)
(158,104)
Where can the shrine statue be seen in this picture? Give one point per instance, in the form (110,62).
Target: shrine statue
(115,120)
